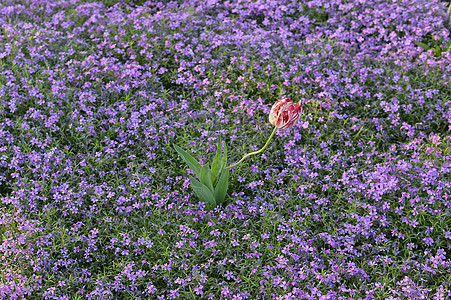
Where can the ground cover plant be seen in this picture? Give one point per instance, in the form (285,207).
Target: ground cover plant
(353,202)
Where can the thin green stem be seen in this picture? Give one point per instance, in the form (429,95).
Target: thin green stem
(255,152)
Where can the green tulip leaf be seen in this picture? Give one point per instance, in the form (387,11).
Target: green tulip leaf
(189,160)
(205,177)
(216,166)
(422,45)
(202,192)
(224,157)
(222,186)
(438,51)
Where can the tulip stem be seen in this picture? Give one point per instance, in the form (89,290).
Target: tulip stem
(255,152)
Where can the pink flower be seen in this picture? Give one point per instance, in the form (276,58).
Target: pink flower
(284,113)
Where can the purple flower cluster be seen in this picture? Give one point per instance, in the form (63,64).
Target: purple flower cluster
(353,202)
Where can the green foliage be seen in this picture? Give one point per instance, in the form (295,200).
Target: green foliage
(205,176)
(202,191)
(193,164)
(437,48)
(213,183)
(217,165)
(221,187)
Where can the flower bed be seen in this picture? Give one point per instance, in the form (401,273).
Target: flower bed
(351,202)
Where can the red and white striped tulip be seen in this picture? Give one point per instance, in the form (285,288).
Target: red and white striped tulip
(284,113)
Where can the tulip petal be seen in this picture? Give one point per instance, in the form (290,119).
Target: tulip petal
(284,113)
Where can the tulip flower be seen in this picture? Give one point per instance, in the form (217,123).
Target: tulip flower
(284,114)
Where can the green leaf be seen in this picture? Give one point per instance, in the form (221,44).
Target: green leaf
(224,157)
(422,45)
(190,161)
(222,186)
(205,177)
(438,51)
(202,192)
(216,166)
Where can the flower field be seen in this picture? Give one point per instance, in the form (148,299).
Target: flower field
(352,202)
